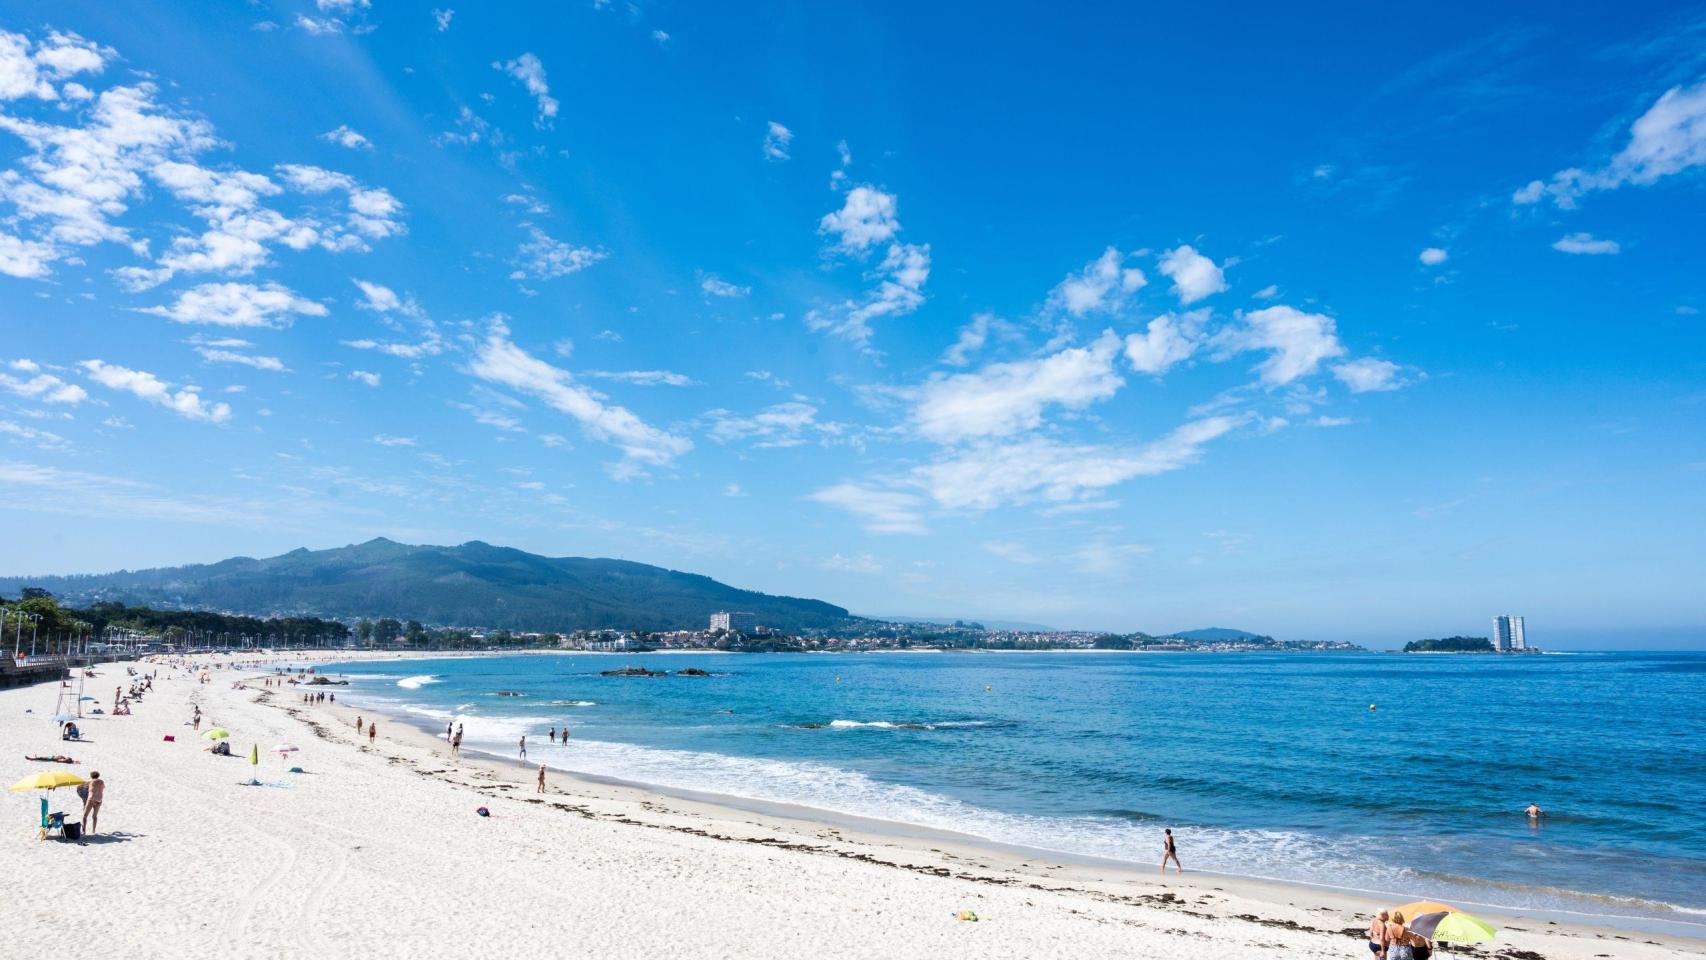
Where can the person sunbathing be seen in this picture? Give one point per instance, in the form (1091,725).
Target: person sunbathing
(56,758)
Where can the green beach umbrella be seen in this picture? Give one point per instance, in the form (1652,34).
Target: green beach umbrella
(254,754)
(217,733)
(1453,927)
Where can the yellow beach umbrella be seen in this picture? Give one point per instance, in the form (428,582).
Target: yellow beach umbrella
(1413,910)
(217,733)
(47,781)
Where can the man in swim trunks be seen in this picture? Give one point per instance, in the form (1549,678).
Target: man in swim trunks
(92,806)
(1170,852)
(1534,812)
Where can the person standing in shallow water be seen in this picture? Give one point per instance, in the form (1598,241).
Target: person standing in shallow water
(524,746)
(1170,851)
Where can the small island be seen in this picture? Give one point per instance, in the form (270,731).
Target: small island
(1450,645)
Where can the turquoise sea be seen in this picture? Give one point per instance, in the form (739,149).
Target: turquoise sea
(1264,765)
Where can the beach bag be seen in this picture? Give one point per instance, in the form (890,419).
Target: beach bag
(71,831)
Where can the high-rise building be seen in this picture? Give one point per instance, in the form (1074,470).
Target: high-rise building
(733,621)
(1507,634)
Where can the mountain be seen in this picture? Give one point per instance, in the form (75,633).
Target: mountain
(474,584)
(1211,634)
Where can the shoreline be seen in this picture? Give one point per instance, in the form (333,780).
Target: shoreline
(804,818)
(377,841)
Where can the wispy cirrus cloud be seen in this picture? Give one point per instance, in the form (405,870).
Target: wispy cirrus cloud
(186,402)
(499,361)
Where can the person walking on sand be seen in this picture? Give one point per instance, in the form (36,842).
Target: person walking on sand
(1169,851)
(541,788)
(358,724)
(372,730)
(456,744)
(92,806)
(524,746)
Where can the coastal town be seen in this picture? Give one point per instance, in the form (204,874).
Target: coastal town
(39,625)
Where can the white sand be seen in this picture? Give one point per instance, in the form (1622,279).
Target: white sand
(377,853)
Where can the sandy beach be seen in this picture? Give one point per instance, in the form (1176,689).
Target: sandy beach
(377,851)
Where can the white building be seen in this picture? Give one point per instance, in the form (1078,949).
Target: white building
(1507,634)
(731,621)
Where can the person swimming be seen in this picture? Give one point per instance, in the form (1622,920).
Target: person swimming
(1534,812)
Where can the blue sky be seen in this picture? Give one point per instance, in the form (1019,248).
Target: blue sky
(1096,317)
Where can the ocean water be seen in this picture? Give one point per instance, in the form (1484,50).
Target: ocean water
(1264,765)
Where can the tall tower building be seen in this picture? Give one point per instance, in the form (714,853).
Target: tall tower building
(1507,634)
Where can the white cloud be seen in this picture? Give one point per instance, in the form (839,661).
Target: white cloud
(60,56)
(1169,340)
(373,213)
(186,402)
(1006,398)
(73,182)
(989,476)
(385,440)
(528,202)
(781,425)
(971,340)
(341,6)
(716,286)
(1299,342)
(1267,293)
(441,19)
(733,490)
(645,378)
(854,563)
(1666,140)
(214,355)
(1103,285)
(42,386)
(879,511)
(41,439)
(1369,375)
(1433,256)
(839,176)
(1104,558)
(1586,243)
(660,36)
(499,361)
(343,136)
(994,475)
(26,259)
(366,377)
(376,297)
(237,305)
(319,26)
(527,69)
(776,140)
(1194,276)
(866,218)
(431,346)
(903,273)
(543,257)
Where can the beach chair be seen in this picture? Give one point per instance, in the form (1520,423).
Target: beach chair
(50,821)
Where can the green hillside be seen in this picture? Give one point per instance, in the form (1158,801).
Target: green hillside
(474,584)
